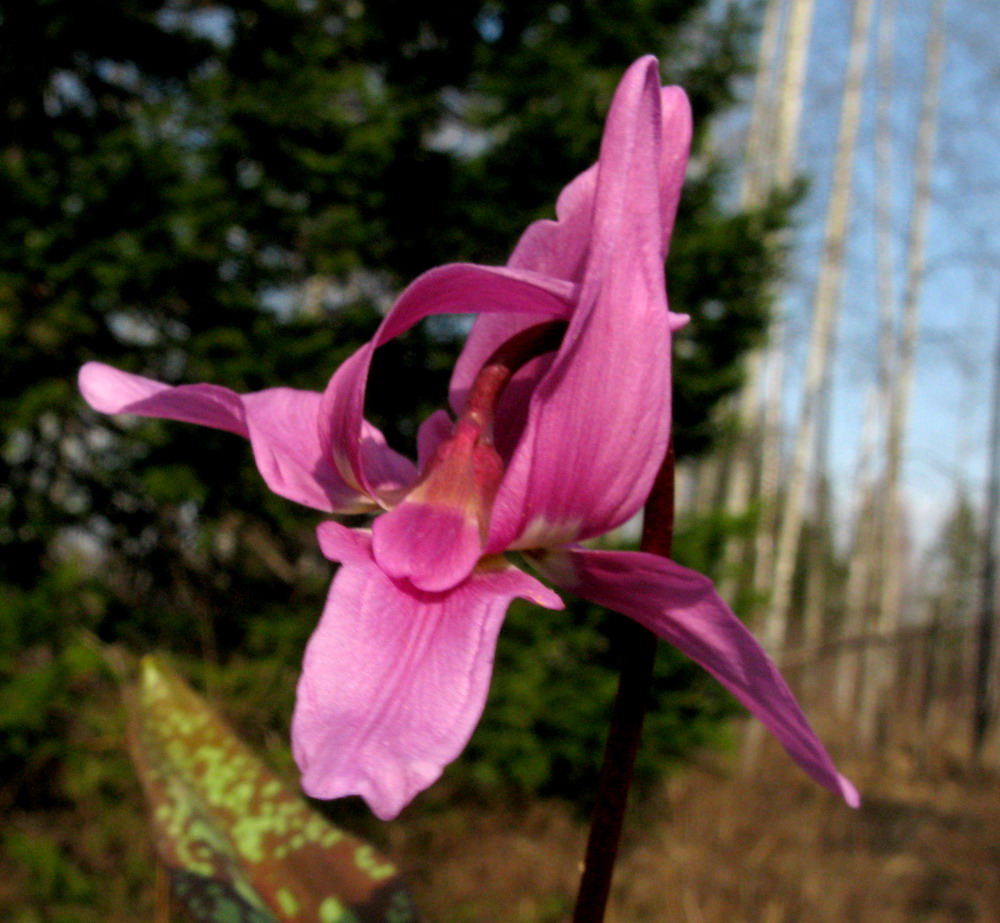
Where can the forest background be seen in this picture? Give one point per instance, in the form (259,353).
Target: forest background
(234,193)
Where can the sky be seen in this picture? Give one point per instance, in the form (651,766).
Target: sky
(960,301)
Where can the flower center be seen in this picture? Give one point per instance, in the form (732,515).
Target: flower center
(436,535)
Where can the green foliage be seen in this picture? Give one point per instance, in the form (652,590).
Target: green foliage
(51,877)
(72,848)
(954,584)
(719,271)
(38,681)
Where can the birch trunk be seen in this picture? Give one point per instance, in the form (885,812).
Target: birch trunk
(901,383)
(865,554)
(885,262)
(859,573)
(789,116)
(758,174)
(773,146)
(828,289)
(817,554)
(758,179)
(770,461)
(793,78)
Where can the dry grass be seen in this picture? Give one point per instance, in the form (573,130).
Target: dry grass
(719,847)
(712,846)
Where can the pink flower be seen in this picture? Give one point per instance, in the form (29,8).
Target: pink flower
(396,674)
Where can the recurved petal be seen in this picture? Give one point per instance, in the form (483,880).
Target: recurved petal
(457,288)
(556,248)
(109,390)
(599,420)
(675,127)
(395,679)
(682,607)
(281,424)
(560,248)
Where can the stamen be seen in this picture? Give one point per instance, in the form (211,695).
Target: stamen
(502,365)
(435,536)
(474,428)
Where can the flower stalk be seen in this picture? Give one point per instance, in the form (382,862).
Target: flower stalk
(638,655)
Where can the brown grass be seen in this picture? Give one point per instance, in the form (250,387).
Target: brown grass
(711,846)
(716,846)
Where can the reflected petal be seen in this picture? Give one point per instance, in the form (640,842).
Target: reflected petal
(602,411)
(281,424)
(395,679)
(682,607)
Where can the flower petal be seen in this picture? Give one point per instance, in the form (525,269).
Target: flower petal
(559,248)
(675,130)
(682,607)
(603,409)
(456,288)
(556,248)
(109,390)
(395,679)
(281,424)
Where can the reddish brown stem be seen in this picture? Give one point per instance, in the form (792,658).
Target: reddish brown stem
(637,658)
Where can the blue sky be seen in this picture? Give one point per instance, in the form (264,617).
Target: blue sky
(960,302)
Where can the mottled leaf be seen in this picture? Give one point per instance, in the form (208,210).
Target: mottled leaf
(238,845)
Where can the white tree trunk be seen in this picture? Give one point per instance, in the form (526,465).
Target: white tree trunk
(789,114)
(891,570)
(828,290)
(758,172)
(863,569)
(771,151)
(770,461)
(814,604)
(793,78)
(859,572)
(758,180)
(902,380)
(885,262)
